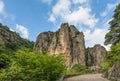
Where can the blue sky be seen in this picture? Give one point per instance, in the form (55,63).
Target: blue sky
(30,17)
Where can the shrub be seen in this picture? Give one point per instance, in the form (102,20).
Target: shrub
(5,56)
(78,69)
(112,57)
(31,65)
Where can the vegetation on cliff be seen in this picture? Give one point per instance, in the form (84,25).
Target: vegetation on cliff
(18,60)
(12,40)
(112,62)
(113,36)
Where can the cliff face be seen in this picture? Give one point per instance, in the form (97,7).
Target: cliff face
(95,56)
(67,40)
(8,35)
(12,40)
(114,72)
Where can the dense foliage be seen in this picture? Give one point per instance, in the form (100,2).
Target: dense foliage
(112,57)
(5,56)
(29,65)
(113,36)
(18,62)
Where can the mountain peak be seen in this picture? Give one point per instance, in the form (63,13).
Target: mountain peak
(67,40)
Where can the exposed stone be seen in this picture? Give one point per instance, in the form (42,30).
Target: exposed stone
(12,40)
(95,56)
(114,72)
(8,35)
(67,40)
(44,41)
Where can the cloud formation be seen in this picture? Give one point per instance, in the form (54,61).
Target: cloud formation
(60,10)
(65,11)
(109,8)
(22,30)
(1,7)
(3,13)
(82,17)
(79,1)
(95,37)
(79,13)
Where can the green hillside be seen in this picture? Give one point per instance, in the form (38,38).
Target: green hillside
(12,40)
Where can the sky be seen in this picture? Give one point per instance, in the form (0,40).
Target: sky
(31,17)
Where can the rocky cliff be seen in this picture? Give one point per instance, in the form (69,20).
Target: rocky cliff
(67,40)
(114,72)
(95,56)
(12,40)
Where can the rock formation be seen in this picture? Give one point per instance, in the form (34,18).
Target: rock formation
(114,72)
(12,40)
(67,40)
(8,35)
(95,56)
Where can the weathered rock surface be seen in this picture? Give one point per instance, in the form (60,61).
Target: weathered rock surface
(114,72)
(12,40)
(95,56)
(67,40)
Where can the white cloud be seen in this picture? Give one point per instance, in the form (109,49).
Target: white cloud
(79,13)
(109,8)
(79,1)
(62,7)
(59,10)
(96,36)
(82,16)
(1,7)
(3,12)
(12,30)
(64,11)
(52,18)
(22,30)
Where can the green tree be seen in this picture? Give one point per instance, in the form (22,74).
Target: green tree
(5,56)
(29,65)
(112,59)
(113,36)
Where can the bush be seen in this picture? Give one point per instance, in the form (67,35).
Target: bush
(31,65)
(112,57)
(5,56)
(78,69)
(4,60)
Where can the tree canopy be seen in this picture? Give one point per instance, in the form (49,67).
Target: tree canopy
(113,36)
